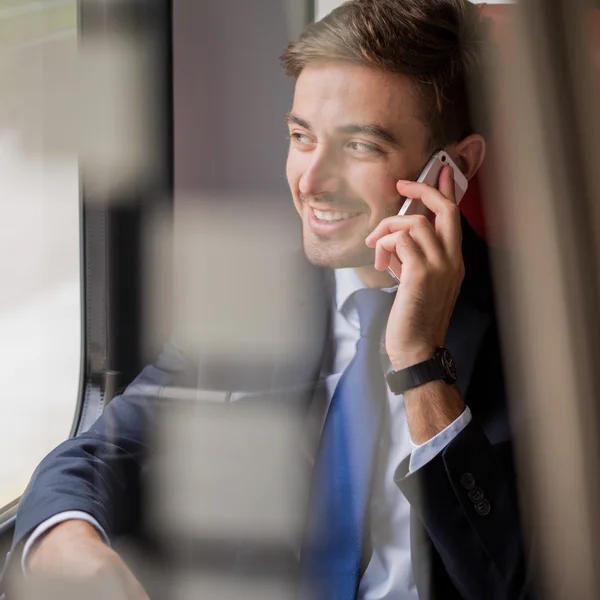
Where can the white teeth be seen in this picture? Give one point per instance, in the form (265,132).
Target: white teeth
(332,216)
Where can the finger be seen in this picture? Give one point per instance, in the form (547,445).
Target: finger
(396,244)
(427,240)
(433,198)
(397,223)
(446,183)
(447,214)
(395,266)
(419,228)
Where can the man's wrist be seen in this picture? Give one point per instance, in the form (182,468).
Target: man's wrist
(68,531)
(431,408)
(53,522)
(403,360)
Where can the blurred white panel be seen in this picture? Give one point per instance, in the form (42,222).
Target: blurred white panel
(115,135)
(207,586)
(227,473)
(238,277)
(93,100)
(40,588)
(542,274)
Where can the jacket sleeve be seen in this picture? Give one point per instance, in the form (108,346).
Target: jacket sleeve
(98,472)
(466,499)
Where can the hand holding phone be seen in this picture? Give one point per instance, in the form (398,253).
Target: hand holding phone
(430,175)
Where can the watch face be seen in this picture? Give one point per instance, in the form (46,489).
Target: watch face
(448,364)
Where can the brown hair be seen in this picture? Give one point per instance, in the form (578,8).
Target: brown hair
(439,44)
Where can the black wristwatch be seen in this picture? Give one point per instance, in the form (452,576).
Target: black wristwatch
(441,366)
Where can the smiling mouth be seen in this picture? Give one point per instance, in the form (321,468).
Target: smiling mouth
(330,216)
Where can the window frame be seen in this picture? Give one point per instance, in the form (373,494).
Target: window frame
(112,237)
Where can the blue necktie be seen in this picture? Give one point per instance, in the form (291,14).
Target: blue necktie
(346,462)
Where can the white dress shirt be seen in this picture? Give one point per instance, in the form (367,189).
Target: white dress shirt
(389,573)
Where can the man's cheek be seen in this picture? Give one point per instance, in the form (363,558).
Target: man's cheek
(384,205)
(394,206)
(292,171)
(292,180)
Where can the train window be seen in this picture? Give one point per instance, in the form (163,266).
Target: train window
(40,305)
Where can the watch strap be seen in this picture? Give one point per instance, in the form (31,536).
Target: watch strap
(419,374)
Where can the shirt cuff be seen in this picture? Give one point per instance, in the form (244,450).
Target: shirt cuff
(423,453)
(41,529)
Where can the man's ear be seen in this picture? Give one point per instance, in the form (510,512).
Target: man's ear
(468,154)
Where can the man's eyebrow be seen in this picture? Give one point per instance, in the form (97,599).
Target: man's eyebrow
(292,118)
(373,130)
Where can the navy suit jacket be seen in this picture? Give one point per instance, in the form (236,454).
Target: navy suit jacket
(466,537)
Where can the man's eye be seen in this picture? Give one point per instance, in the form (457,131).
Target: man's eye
(363,148)
(300,138)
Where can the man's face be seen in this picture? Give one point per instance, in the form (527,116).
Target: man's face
(354,133)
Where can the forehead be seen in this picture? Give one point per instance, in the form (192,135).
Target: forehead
(340,92)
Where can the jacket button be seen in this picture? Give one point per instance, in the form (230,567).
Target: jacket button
(476,495)
(483,508)
(467,480)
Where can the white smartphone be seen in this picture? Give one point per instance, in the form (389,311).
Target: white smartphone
(430,175)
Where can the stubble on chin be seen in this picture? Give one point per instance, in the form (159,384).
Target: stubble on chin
(322,251)
(327,255)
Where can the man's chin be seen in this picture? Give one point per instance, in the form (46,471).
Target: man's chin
(338,259)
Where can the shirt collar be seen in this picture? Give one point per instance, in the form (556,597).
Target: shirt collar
(346,283)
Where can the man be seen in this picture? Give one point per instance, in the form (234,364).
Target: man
(380,86)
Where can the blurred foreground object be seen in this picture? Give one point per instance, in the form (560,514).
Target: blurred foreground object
(227,498)
(99,102)
(545,199)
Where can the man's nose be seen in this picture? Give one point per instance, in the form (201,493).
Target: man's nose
(323,174)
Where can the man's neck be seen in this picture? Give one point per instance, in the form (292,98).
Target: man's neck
(375,279)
